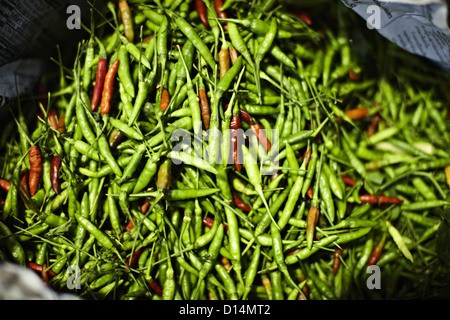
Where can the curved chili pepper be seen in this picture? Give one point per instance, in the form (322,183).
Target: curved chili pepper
(102,69)
(54,173)
(245,116)
(241,204)
(202,13)
(262,137)
(108,87)
(35,170)
(218,4)
(256,128)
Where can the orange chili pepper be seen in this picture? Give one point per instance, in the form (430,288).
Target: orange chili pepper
(35,170)
(108,87)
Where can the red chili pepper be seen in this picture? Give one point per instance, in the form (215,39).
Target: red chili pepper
(336,259)
(35,169)
(348,180)
(245,116)
(218,4)
(24,191)
(165,99)
(44,274)
(202,12)
(304,17)
(5,185)
(379,199)
(52,119)
(204,106)
(130,225)
(156,287)
(108,87)
(133,259)
(209,222)
(148,38)
(39,268)
(23,186)
(307,153)
(235,124)
(293,252)
(376,252)
(256,128)
(373,126)
(353,75)
(54,173)
(241,204)
(260,134)
(145,205)
(102,69)
(310,192)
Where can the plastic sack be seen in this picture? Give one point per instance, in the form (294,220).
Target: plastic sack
(419,27)
(29,33)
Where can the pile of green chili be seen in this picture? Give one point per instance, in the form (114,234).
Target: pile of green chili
(352,165)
